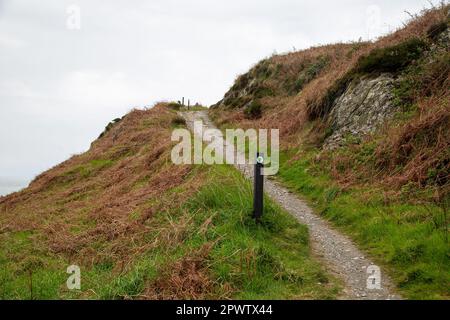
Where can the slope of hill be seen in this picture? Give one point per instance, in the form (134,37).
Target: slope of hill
(364,131)
(140,227)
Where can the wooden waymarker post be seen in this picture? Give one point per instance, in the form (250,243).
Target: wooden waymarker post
(258,188)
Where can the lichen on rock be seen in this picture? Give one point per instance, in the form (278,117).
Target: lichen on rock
(365,104)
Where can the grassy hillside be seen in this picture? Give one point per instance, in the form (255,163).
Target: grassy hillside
(389,189)
(140,227)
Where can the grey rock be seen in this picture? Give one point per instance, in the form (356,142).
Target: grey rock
(362,108)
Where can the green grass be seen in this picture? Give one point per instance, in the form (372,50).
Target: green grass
(20,263)
(270,260)
(278,248)
(253,110)
(177,106)
(401,236)
(392,59)
(82,171)
(310,72)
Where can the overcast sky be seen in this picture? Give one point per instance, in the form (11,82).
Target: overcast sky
(64,75)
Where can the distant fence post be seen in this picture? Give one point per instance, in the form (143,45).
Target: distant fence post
(258,188)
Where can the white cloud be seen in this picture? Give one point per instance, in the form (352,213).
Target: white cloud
(15,88)
(90,87)
(10,42)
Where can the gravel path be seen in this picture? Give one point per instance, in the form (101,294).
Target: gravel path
(339,254)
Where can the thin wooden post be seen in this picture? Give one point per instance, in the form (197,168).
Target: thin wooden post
(258,188)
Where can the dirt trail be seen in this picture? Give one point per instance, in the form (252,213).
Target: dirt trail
(339,254)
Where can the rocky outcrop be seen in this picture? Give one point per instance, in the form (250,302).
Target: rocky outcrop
(365,104)
(368,101)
